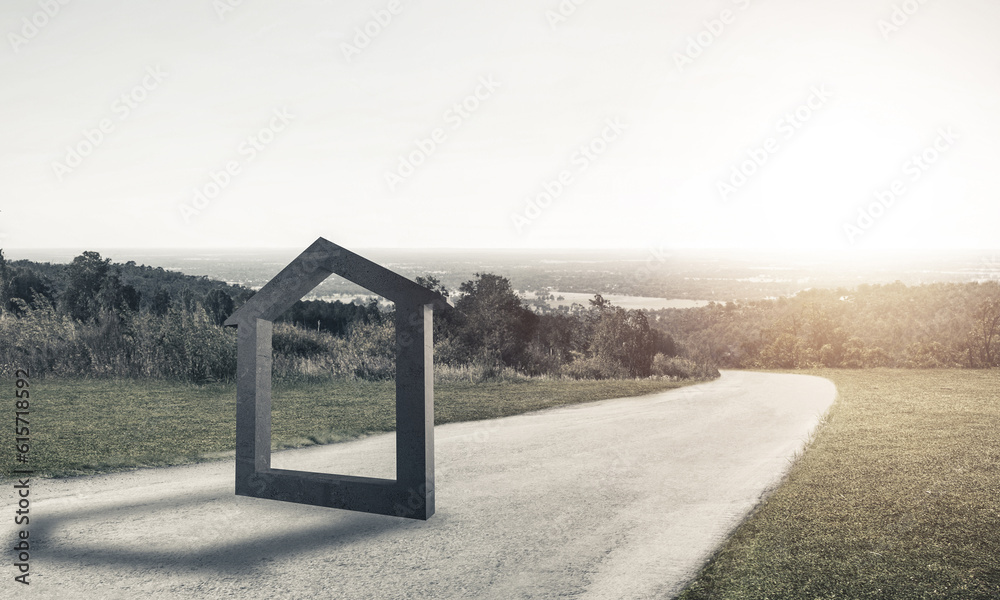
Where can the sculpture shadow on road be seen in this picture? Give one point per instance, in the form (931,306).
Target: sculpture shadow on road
(199,531)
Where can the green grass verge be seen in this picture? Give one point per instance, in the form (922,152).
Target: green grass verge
(898,497)
(89,426)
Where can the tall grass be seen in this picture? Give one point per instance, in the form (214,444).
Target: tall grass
(179,345)
(186,345)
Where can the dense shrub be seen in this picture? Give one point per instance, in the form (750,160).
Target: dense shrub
(936,325)
(595,367)
(370,350)
(536,360)
(676,367)
(478,372)
(42,340)
(177,345)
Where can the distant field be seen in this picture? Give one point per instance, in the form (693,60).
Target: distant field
(898,497)
(627,302)
(89,426)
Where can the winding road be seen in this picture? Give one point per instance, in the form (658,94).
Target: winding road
(622,498)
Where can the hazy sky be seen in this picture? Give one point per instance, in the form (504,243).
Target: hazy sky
(116,114)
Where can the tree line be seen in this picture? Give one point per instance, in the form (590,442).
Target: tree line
(94,318)
(943,325)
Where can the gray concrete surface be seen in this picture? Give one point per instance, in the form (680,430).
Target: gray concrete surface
(616,499)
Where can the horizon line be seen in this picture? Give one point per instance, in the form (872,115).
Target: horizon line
(845,251)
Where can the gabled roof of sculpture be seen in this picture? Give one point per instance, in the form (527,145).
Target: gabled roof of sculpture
(315,264)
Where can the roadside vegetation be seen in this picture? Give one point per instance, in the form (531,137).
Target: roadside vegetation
(92,318)
(895,498)
(941,325)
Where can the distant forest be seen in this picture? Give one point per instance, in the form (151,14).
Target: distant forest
(943,325)
(93,318)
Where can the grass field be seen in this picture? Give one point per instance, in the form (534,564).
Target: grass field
(90,426)
(898,497)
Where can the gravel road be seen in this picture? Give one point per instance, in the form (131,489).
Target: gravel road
(616,499)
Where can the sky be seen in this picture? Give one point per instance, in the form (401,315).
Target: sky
(854,126)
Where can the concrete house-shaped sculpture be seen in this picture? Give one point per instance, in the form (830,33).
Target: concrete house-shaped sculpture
(411,494)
